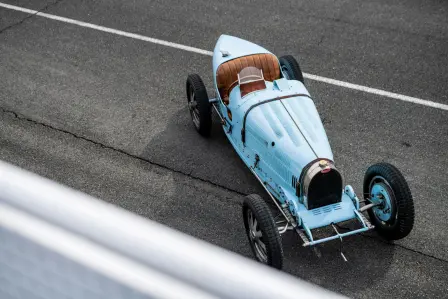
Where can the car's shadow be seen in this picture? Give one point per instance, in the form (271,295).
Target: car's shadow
(181,148)
(368,257)
(213,159)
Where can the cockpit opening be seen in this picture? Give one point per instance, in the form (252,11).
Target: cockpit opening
(227,72)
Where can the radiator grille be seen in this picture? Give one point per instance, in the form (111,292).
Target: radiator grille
(325,189)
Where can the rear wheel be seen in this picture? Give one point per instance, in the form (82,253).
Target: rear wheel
(199,105)
(394,216)
(291,68)
(262,231)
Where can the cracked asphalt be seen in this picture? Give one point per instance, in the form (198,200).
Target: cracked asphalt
(106,115)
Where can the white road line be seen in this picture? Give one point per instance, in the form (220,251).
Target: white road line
(108,30)
(366,89)
(379,92)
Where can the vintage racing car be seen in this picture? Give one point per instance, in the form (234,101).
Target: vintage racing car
(271,120)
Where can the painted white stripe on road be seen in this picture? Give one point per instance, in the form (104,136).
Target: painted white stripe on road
(108,30)
(362,88)
(379,92)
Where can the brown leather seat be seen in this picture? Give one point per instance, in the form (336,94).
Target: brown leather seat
(227,74)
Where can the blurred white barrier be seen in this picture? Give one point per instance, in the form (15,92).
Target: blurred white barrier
(56,242)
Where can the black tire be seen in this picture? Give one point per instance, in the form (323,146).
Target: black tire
(199,105)
(255,205)
(290,66)
(401,220)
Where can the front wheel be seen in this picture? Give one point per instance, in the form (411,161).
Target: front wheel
(199,105)
(262,231)
(393,217)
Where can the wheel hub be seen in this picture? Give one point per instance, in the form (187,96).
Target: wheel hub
(256,238)
(285,70)
(381,195)
(193,106)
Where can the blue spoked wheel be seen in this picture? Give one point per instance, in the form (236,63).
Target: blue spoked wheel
(385,186)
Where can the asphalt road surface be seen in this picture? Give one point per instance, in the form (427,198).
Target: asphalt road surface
(106,114)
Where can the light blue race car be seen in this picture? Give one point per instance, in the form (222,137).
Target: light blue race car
(271,120)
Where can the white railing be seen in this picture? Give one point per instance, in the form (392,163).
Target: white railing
(56,242)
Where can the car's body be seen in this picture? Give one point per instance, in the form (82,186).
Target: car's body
(287,136)
(271,121)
